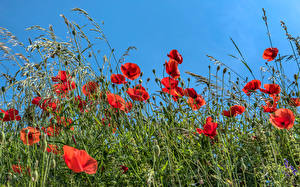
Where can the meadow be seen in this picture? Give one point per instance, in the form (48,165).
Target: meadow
(72,118)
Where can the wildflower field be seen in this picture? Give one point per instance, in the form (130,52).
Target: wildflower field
(72,118)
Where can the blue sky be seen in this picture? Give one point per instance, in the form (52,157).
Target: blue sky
(194,27)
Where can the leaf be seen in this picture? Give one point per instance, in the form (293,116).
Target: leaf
(243,59)
(165,166)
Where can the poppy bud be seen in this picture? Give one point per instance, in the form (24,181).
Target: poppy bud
(9,177)
(218,68)
(254,137)
(45,144)
(140,81)
(35,175)
(224,70)
(73,137)
(148,79)
(244,167)
(188,79)
(296,77)
(53,163)
(3,138)
(153,71)
(158,149)
(52,55)
(153,97)
(3,89)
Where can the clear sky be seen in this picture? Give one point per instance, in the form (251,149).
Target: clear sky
(193,27)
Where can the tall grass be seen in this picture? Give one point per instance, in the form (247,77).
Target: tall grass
(157,140)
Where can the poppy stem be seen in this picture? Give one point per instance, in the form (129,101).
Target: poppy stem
(74,139)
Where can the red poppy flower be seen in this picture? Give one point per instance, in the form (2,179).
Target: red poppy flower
(190,92)
(196,103)
(176,92)
(64,83)
(17,168)
(138,93)
(124,168)
(174,54)
(61,77)
(60,121)
(105,121)
(128,107)
(282,118)
(36,100)
(172,68)
(209,129)
(90,88)
(271,105)
(116,101)
(118,79)
(60,89)
(294,102)
(64,88)
(53,149)
(270,54)
(271,89)
(49,104)
(79,160)
(30,135)
(80,103)
(234,110)
(251,87)
(46,105)
(169,82)
(52,130)
(130,70)
(9,115)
